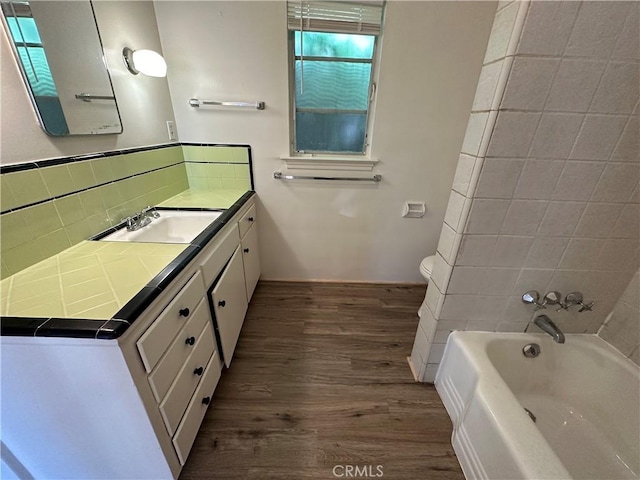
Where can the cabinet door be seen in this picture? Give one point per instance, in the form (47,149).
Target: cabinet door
(229,300)
(251,259)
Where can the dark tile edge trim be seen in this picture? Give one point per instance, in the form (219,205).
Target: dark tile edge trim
(51,162)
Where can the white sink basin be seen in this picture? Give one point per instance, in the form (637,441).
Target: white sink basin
(173,226)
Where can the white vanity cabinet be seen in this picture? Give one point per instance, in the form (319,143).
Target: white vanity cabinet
(229,301)
(180,350)
(132,407)
(250,250)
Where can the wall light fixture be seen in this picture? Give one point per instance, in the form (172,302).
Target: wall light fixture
(146,62)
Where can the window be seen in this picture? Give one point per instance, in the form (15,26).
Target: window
(332,50)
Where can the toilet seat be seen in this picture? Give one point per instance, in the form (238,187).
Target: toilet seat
(426,267)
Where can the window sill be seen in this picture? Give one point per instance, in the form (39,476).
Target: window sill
(326,162)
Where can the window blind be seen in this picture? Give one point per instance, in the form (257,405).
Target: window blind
(363,17)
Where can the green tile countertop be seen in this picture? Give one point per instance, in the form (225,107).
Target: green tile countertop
(94,280)
(91,280)
(193,198)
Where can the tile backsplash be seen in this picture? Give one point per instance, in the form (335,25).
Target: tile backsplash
(217,167)
(545,196)
(50,205)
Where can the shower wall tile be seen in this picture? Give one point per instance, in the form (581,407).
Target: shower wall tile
(498,178)
(464,172)
(511,251)
(441,273)
(577,180)
(539,179)
(561,218)
(628,47)
(447,243)
(501,31)
(529,83)
(523,217)
(551,166)
(628,224)
(548,27)
(628,147)
(513,134)
(546,252)
(622,329)
(581,254)
(593,37)
(486,216)
(598,137)
(618,88)
(474,133)
(482,280)
(616,183)
(556,135)
(574,85)
(453,215)
(476,250)
(487,84)
(532,279)
(598,220)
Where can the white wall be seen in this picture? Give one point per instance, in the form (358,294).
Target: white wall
(144,102)
(431,58)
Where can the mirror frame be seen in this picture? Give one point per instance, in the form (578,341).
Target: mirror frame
(25,78)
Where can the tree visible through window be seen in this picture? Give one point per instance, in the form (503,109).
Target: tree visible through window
(332,71)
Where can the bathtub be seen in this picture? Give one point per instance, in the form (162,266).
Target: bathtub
(584,394)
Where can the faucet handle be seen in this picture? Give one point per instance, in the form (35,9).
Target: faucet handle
(573,298)
(149,210)
(532,297)
(576,298)
(553,298)
(588,306)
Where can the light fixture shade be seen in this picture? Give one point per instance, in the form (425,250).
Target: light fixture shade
(147,62)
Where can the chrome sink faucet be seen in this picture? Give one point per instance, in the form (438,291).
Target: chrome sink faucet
(141,219)
(546,325)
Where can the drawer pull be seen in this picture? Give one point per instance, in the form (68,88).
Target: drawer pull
(198,371)
(206,400)
(184,312)
(246,250)
(222,303)
(250,219)
(190,340)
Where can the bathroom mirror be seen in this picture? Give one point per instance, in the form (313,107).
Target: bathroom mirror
(58,49)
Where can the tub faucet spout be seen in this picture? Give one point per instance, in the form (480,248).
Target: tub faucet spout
(547,325)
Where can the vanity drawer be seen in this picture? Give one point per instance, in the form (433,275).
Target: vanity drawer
(212,265)
(247,220)
(161,333)
(168,367)
(188,429)
(175,403)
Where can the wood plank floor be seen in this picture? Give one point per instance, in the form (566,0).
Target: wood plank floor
(319,379)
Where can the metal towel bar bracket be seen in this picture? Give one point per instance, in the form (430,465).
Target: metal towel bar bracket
(194,102)
(280,176)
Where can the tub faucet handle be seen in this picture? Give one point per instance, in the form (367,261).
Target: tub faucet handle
(532,297)
(553,298)
(588,306)
(575,298)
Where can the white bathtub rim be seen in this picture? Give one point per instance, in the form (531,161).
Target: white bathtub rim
(509,419)
(541,462)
